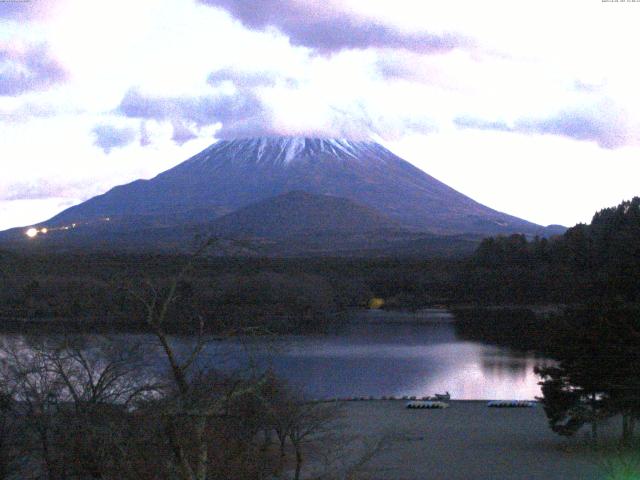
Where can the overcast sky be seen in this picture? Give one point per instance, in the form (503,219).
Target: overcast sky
(530,107)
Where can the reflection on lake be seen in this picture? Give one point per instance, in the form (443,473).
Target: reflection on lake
(382,359)
(387,358)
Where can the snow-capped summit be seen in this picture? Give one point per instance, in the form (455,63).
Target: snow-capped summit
(231,174)
(282,151)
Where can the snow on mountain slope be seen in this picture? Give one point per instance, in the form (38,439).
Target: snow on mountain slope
(283,151)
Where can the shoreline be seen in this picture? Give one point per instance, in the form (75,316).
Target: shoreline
(426,315)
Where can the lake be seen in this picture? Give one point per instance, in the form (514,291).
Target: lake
(379,354)
(392,354)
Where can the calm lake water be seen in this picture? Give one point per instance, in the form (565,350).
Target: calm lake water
(382,354)
(391,355)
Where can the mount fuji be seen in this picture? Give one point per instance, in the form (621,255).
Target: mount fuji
(226,185)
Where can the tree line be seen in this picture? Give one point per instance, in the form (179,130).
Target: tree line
(599,261)
(90,291)
(594,270)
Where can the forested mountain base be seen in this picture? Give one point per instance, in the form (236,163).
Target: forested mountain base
(94,291)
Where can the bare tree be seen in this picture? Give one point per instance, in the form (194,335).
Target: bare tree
(309,422)
(191,406)
(103,379)
(7,432)
(26,373)
(73,398)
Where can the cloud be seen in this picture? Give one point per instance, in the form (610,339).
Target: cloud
(108,137)
(242,113)
(23,10)
(40,189)
(181,133)
(579,126)
(244,79)
(28,111)
(394,67)
(479,124)
(145,139)
(358,121)
(601,127)
(328,31)
(28,69)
